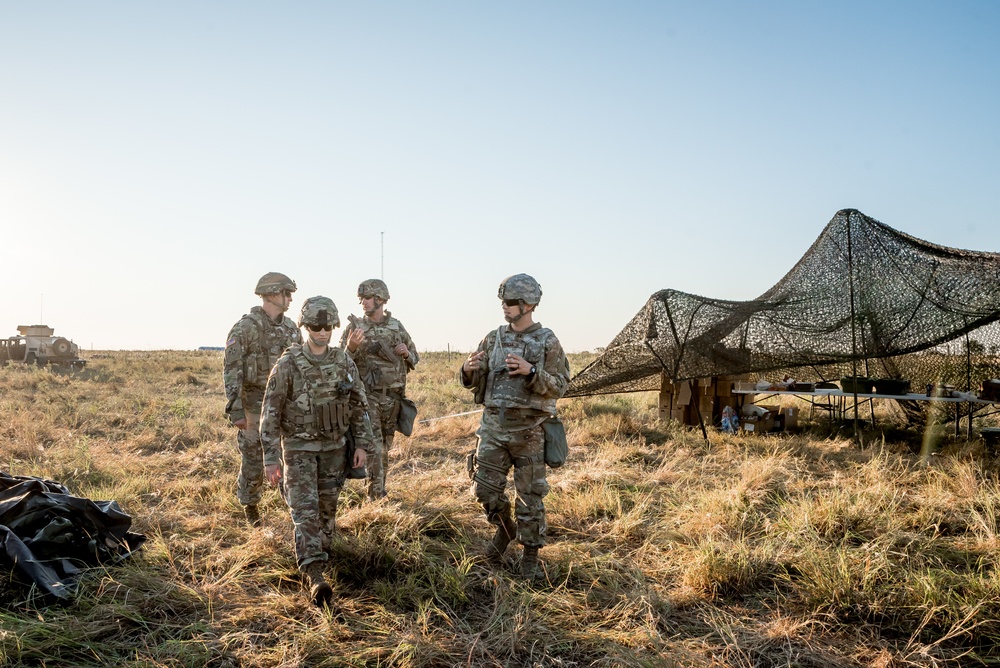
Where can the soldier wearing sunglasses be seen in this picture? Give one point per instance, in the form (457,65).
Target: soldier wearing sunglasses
(517,374)
(252,347)
(384,353)
(313,398)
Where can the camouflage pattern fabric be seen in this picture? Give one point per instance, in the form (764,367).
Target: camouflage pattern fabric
(380,367)
(520,286)
(384,375)
(250,482)
(510,432)
(375,287)
(312,487)
(383,410)
(299,393)
(498,450)
(253,346)
(300,429)
(493,386)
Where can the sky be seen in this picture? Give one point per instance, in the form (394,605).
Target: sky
(157,158)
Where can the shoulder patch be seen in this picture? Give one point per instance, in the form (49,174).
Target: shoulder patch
(231,341)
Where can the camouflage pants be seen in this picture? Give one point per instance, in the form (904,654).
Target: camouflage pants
(383,411)
(312,487)
(250,483)
(497,452)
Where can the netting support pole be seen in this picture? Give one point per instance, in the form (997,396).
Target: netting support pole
(968,384)
(697,409)
(854,329)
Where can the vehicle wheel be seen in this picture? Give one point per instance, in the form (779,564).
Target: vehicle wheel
(61,347)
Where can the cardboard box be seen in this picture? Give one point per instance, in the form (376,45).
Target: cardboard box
(745,385)
(683,395)
(757,425)
(724,388)
(706,405)
(790,416)
(680,415)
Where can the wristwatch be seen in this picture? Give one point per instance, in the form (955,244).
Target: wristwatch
(531,374)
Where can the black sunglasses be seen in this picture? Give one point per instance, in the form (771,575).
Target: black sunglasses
(320,328)
(287,293)
(512,302)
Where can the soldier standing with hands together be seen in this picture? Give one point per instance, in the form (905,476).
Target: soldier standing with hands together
(384,353)
(517,373)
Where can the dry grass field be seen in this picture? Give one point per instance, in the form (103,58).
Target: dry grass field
(664,550)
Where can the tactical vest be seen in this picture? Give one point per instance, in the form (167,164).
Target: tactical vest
(506,391)
(379,366)
(318,405)
(265,348)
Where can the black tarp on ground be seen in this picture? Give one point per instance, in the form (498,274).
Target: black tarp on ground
(864,295)
(47,536)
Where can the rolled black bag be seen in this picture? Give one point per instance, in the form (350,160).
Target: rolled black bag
(352,473)
(556,447)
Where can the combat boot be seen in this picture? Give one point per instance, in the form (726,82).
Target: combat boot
(253,514)
(320,590)
(501,539)
(529,563)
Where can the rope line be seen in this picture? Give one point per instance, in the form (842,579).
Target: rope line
(445,417)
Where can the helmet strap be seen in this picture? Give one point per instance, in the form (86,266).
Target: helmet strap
(515,318)
(377,303)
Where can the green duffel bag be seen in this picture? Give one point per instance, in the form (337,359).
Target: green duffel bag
(407,416)
(556,447)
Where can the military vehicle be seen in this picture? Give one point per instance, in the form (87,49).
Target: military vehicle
(38,345)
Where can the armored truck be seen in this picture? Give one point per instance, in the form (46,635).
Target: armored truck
(37,344)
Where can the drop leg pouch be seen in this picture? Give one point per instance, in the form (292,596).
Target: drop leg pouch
(556,447)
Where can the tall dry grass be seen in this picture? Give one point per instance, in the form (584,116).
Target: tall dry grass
(664,549)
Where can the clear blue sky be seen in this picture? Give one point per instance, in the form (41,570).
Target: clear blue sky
(157,158)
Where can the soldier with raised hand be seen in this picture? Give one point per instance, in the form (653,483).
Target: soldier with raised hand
(313,397)
(517,373)
(384,353)
(253,346)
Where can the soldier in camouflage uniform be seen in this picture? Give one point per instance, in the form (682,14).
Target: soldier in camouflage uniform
(253,346)
(384,353)
(313,397)
(517,374)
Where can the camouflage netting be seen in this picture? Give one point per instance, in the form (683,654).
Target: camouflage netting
(863,297)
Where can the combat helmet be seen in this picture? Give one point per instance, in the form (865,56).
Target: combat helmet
(520,286)
(273,283)
(374,287)
(319,311)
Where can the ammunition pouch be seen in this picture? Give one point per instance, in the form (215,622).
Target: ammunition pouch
(332,419)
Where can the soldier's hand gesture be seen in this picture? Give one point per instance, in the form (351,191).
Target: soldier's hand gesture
(355,339)
(474,362)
